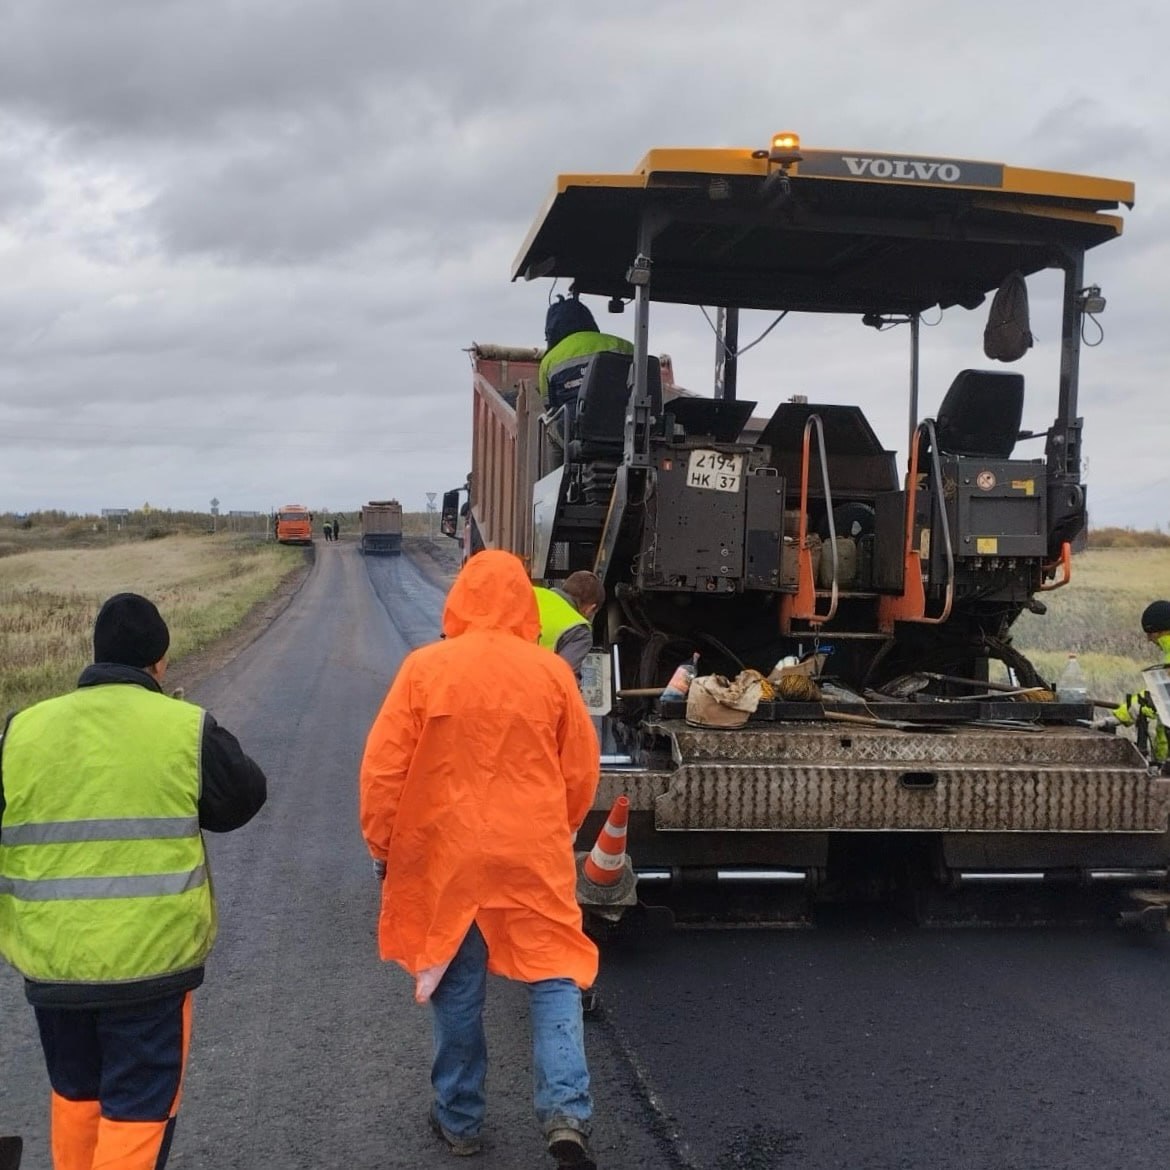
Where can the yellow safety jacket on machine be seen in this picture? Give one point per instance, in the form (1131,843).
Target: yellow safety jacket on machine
(580,344)
(103,874)
(557,616)
(1141,706)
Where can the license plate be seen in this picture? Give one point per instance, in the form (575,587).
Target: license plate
(714,472)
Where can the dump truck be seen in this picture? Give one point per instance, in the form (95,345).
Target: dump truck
(382,527)
(293,524)
(794,540)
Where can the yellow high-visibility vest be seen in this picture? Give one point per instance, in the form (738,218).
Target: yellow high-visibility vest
(556,616)
(103,873)
(578,345)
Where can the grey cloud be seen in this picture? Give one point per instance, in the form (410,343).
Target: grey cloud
(164,68)
(19,191)
(253,238)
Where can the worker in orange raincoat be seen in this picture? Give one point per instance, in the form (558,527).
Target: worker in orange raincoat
(478,770)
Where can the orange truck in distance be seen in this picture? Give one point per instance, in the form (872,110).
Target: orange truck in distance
(293,524)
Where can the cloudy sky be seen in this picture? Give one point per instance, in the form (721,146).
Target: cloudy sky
(244,243)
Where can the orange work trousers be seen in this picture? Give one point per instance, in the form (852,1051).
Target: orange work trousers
(117,1078)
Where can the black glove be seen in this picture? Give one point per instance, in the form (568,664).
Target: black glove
(379,870)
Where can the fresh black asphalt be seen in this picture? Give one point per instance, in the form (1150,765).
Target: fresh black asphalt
(865,1042)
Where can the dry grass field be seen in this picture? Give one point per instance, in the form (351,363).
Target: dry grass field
(53,578)
(1097,617)
(204,585)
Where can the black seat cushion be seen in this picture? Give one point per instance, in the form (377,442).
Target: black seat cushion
(600,417)
(981,414)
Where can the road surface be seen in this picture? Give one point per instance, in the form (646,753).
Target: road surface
(866,1042)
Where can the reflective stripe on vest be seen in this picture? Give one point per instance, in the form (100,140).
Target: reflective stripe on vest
(578,345)
(67,889)
(556,616)
(103,875)
(61,832)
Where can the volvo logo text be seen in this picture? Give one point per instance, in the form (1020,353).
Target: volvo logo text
(903,168)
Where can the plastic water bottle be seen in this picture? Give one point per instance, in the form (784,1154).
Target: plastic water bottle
(680,681)
(1072,686)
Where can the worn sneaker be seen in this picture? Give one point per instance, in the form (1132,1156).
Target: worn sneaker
(570,1147)
(461,1147)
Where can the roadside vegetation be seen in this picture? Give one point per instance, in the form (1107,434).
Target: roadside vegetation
(1097,617)
(207,572)
(51,588)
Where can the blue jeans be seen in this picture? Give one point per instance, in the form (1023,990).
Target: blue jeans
(560,1077)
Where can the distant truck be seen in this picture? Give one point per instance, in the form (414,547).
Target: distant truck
(293,524)
(382,527)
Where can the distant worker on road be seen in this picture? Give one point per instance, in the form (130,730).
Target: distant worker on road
(1138,710)
(336,527)
(106,905)
(570,331)
(566,616)
(478,770)
(327,528)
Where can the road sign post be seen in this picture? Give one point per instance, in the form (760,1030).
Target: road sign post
(118,514)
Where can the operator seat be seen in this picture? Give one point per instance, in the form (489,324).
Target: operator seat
(599,424)
(595,420)
(980,414)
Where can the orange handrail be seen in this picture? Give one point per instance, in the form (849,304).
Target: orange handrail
(1064,561)
(802,605)
(910,604)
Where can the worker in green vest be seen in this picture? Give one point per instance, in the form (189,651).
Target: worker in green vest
(106,905)
(570,331)
(1138,709)
(566,616)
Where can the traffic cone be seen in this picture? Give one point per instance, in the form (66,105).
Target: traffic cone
(606,861)
(606,882)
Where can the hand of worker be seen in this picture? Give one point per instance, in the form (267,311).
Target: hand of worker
(1140,706)
(1107,723)
(379,870)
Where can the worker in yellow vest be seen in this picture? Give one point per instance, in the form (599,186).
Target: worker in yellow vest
(106,906)
(1139,708)
(570,331)
(566,616)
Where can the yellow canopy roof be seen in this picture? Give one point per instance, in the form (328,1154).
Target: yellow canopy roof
(836,231)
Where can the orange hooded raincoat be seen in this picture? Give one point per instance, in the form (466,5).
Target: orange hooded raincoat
(478,769)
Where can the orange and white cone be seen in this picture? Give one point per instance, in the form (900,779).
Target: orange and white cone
(606,877)
(604,864)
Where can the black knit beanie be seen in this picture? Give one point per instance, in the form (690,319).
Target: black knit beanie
(130,631)
(1156,617)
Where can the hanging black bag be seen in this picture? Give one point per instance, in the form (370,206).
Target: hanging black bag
(1008,336)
